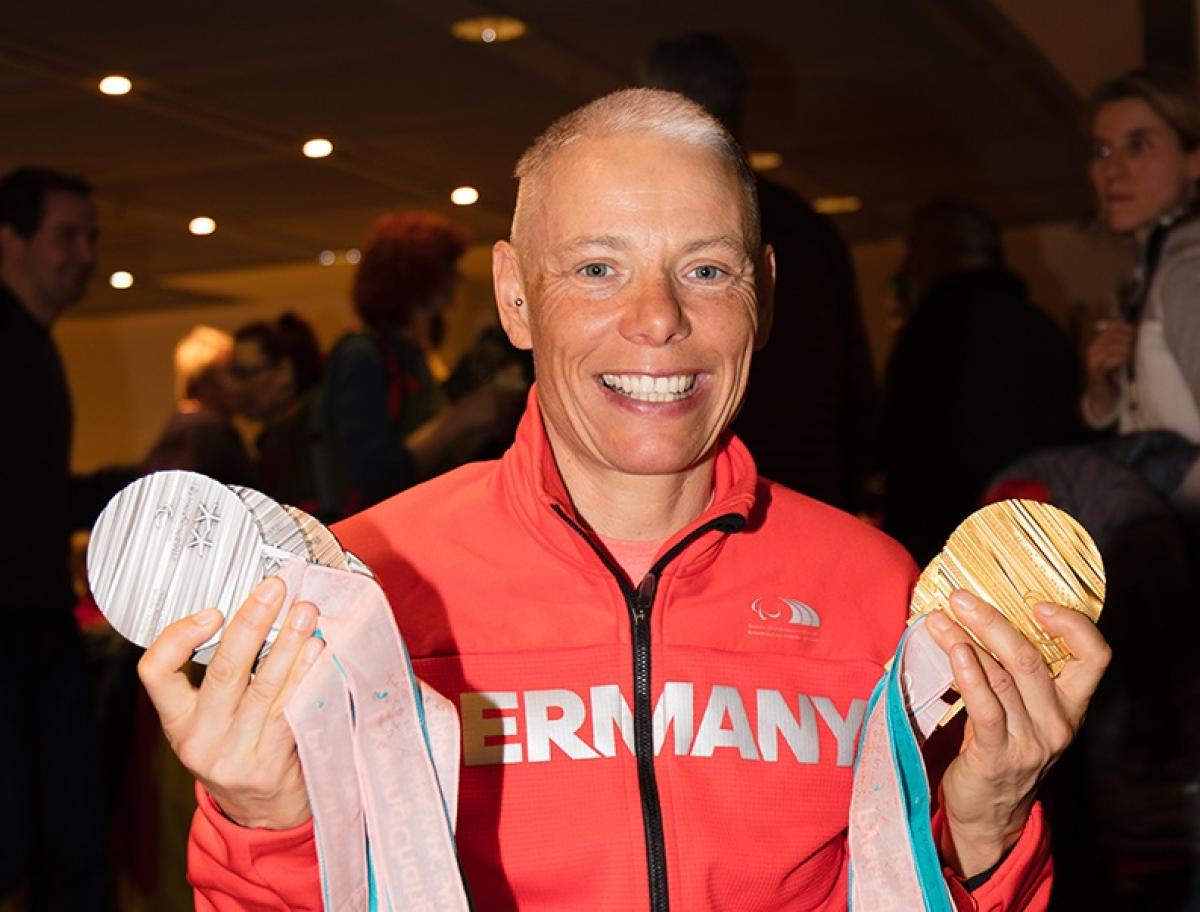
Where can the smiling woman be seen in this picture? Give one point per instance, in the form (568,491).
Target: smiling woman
(643,310)
(612,564)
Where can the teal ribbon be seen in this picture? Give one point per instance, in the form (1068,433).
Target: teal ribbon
(905,754)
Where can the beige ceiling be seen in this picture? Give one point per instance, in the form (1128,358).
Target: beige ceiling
(894,101)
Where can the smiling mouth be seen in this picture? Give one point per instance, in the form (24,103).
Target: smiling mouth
(644,388)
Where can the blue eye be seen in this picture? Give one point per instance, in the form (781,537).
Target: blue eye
(708,272)
(597,271)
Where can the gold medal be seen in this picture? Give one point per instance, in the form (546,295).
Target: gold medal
(1014,554)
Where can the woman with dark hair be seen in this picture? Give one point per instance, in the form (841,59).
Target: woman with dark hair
(1143,371)
(276,368)
(387,421)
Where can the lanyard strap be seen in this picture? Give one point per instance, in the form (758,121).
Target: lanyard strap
(380,753)
(893,860)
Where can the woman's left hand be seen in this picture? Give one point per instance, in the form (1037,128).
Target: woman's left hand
(1020,721)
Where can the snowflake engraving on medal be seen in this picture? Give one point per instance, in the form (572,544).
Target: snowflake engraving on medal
(203,529)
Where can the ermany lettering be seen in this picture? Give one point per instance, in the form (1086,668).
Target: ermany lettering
(535,726)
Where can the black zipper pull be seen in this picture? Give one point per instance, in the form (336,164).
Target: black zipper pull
(644,598)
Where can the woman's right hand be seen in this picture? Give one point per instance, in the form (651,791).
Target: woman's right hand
(1109,350)
(231,733)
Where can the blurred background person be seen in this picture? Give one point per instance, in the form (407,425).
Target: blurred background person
(144,784)
(1143,368)
(1124,800)
(816,360)
(144,780)
(1136,805)
(491,359)
(200,435)
(385,421)
(52,832)
(276,368)
(978,377)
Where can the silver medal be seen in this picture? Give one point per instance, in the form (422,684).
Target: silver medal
(280,530)
(168,545)
(323,547)
(356,564)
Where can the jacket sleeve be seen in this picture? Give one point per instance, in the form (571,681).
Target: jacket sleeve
(238,869)
(1181,321)
(1021,882)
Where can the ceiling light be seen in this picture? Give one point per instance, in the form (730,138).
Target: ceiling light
(326,257)
(353,255)
(464,196)
(121,279)
(115,85)
(765,161)
(202,224)
(488,29)
(318,148)
(837,205)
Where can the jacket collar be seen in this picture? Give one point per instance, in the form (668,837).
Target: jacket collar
(534,488)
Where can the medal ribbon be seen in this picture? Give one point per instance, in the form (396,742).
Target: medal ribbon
(380,753)
(894,862)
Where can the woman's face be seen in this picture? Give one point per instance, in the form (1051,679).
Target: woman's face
(1138,168)
(263,389)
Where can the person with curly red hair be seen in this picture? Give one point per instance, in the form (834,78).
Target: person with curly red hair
(408,271)
(386,422)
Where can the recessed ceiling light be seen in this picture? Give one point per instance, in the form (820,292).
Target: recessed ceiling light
(353,255)
(488,29)
(765,161)
(121,279)
(318,148)
(464,196)
(326,257)
(115,85)
(202,224)
(837,205)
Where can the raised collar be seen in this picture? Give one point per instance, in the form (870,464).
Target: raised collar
(534,488)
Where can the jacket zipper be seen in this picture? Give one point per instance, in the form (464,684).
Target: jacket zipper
(640,602)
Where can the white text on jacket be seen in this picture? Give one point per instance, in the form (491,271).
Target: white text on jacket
(537,725)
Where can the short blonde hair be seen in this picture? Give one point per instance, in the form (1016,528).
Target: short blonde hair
(666,114)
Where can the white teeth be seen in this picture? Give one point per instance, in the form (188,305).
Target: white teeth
(646,388)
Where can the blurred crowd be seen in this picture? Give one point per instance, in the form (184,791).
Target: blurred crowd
(985,396)
(335,433)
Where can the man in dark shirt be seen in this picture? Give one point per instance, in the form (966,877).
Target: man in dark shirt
(51,829)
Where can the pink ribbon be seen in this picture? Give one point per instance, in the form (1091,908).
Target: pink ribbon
(380,753)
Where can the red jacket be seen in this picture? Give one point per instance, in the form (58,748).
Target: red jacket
(692,738)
